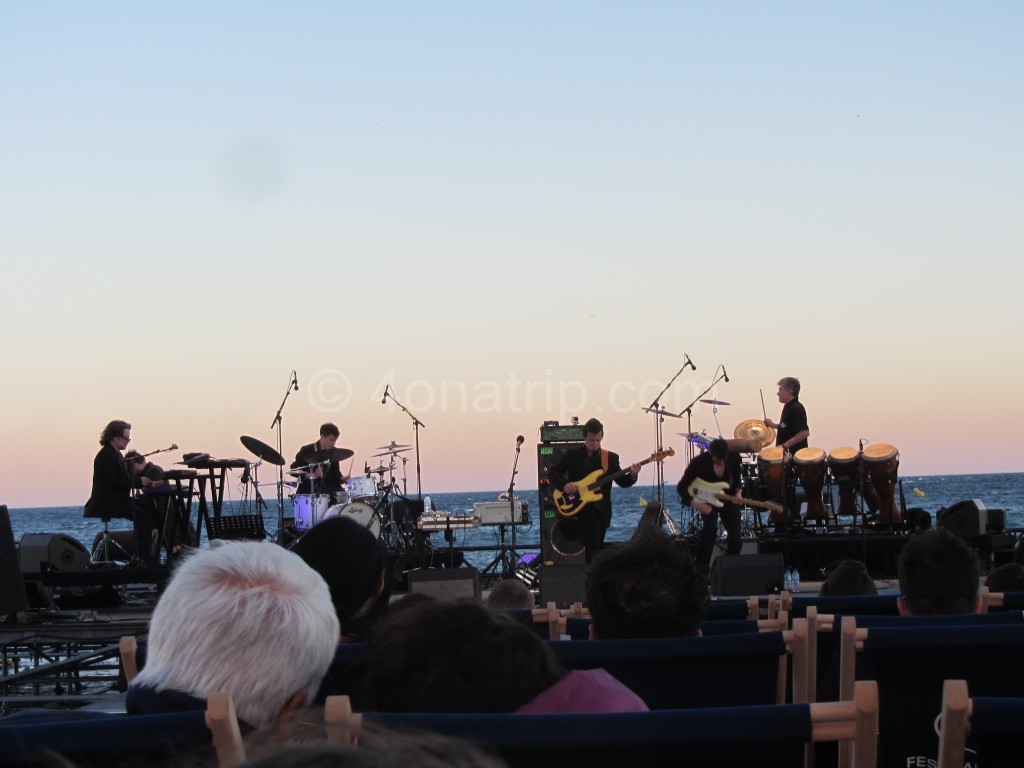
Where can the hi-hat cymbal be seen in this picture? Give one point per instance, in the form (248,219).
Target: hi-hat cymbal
(755,428)
(389,453)
(715,402)
(334,454)
(662,412)
(264,451)
(381,469)
(392,447)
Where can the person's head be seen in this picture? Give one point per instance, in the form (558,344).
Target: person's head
(646,587)
(442,656)
(136,462)
(938,575)
(593,434)
(117,433)
(1008,577)
(248,618)
(848,578)
(329,435)
(510,594)
(719,449)
(789,389)
(351,561)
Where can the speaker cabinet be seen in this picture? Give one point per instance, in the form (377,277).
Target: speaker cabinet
(558,543)
(52,552)
(747,574)
(446,583)
(562,585)
(965,518)
(12,585)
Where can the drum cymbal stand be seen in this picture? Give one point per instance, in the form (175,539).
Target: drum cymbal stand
(416,424)
(293,386)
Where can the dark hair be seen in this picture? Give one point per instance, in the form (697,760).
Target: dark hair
(593,427)
(719,449)
(114,429)
(135,456)
(1008,577)
(439,656)
(938,574)
(329,429)
(646,587)
(790,384)
(848,578)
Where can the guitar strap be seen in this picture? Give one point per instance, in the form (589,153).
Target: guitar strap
(604,461)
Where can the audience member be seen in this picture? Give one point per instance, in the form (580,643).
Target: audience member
(510,594)
(849,578)
(938,575)
(351,561)
(646,587)
(248,618)
(1006,578)
(438,656)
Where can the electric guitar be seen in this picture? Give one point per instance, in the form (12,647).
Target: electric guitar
(586,489)
(714,494)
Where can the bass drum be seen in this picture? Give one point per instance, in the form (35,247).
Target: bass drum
(358,511)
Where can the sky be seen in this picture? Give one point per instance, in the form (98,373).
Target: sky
(506,213)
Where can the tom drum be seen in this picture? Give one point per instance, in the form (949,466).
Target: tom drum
(361,488)
(360,512)
(308,510)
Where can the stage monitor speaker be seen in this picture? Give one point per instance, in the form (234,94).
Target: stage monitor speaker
(747,574)
(558,543)
(12,585)
(446,583)
(52,552)
(562,585)
(965,518)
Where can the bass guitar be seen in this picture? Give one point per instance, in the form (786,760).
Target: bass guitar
(586,489)
(715,495)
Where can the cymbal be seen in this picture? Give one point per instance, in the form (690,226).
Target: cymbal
(380,469)
(662,412)
(264,451)
(755,428)
(392,447)
(389,453)
(715,402)
(744,444)
(335,454)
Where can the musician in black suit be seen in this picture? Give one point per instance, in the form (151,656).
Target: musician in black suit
(591,522)
(321,479)
(148,509)
(715,465)
(111,479)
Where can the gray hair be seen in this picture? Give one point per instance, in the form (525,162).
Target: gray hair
(249,618)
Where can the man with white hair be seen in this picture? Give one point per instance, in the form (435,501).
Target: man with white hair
(248,618)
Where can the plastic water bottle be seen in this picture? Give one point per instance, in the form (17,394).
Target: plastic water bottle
(428,508)
(795,581)
(787,580)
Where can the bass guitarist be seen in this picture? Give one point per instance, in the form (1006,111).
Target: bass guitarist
(591,522)
(715,465)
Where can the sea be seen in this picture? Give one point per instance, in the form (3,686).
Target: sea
(932,493)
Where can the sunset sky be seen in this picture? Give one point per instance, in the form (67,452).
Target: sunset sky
(508,213)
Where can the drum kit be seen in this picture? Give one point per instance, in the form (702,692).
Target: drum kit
(870,471)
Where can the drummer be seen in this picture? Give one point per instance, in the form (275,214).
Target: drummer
(324,478)
(792,424)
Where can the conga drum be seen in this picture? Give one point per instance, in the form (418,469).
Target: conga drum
(772,470)
(844,465)
(809,468)
(881,462)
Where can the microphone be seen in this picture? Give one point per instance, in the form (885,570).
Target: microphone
(174,447)
(519,441)
(384,399)
(725,375)
(690,362)
(295,381)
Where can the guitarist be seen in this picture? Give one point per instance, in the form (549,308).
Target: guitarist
(715,465)
(591,522)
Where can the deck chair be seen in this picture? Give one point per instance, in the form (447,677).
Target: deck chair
(1005,601)
(765,735)
(910,665)
(980,730)
(733,609)
(860,605)
(111,741)
(721,670)
(128,649)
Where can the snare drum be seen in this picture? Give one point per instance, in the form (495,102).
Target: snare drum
(309,510)
(881,462)
(773,470)
(361,488)
(809,467)
(358,511)
(844,464)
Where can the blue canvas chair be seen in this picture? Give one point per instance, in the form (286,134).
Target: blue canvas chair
(766,736)
(980,730)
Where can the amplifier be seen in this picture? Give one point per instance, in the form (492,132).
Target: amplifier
(552,432)
(498,512)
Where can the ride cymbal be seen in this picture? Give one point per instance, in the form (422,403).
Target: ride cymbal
(662,412)
(744,444)
(389,453)
(264,451)
(334,454)
(755,428)
(392,447)
(715,402)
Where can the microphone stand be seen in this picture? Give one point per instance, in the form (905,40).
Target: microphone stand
(655,408)
(292,386)
(416,424)
(511,566)
(174,447)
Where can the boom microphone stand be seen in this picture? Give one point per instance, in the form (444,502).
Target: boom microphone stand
(293,386)
(416,423)
(655,408)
